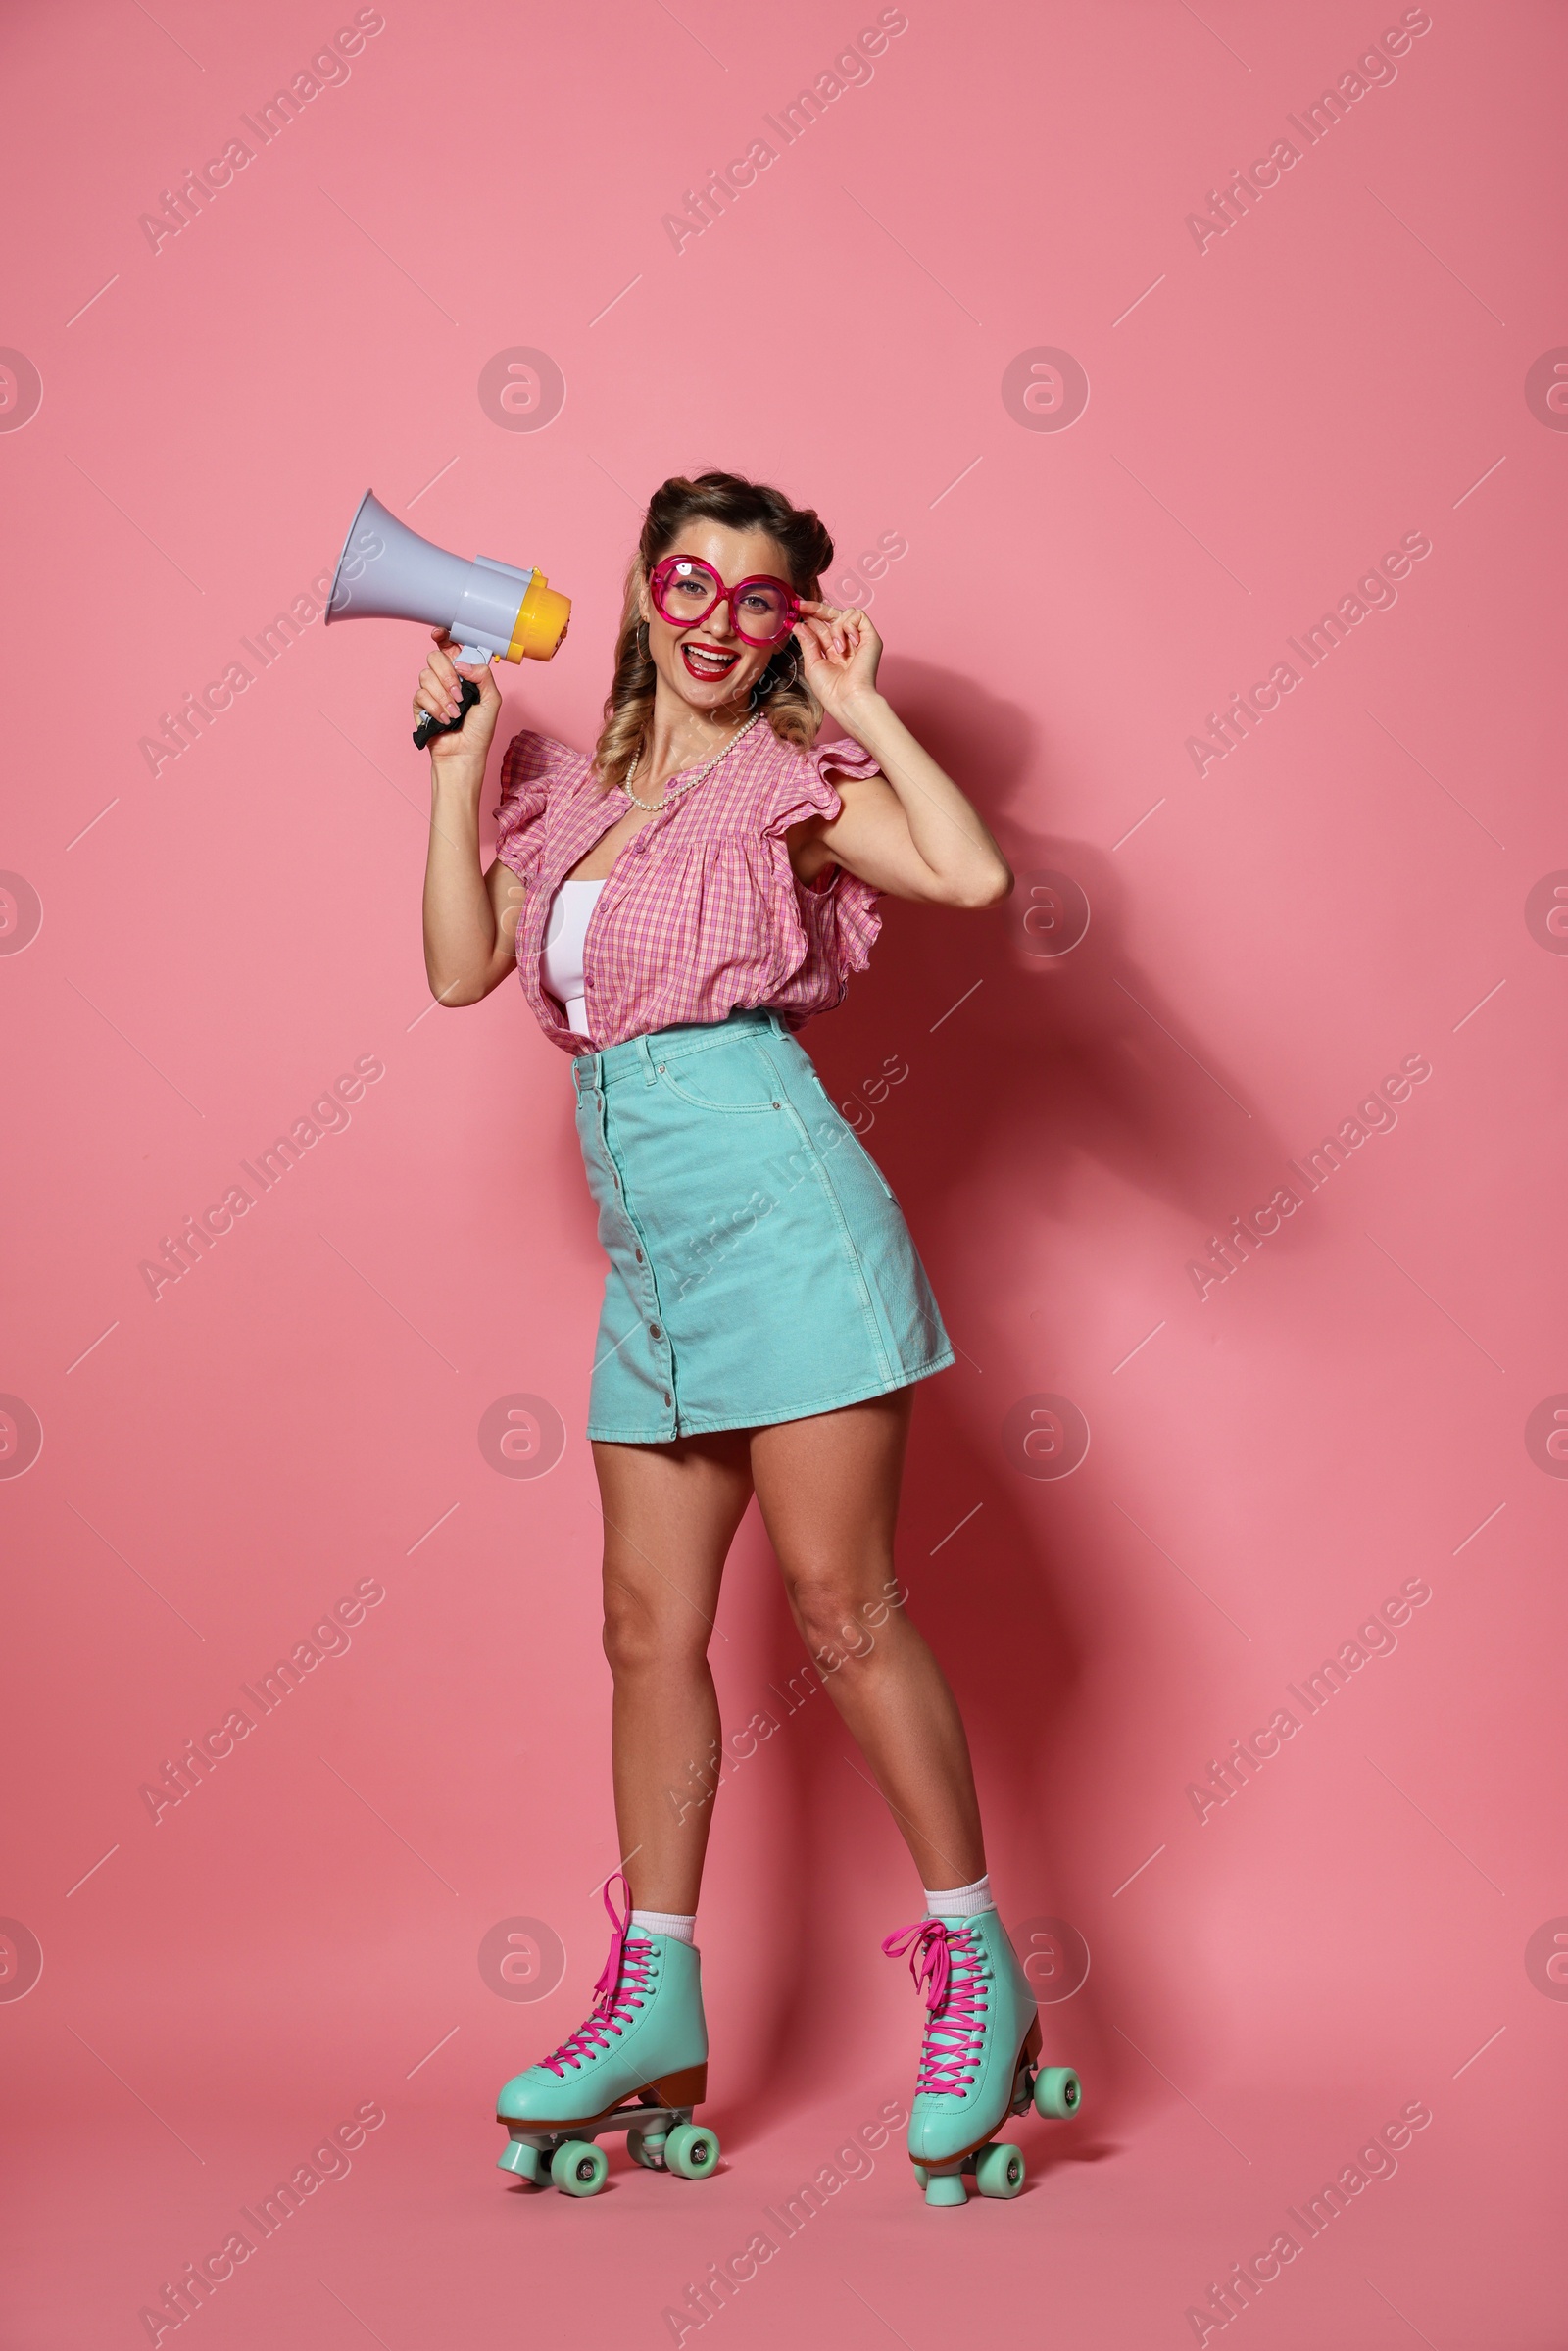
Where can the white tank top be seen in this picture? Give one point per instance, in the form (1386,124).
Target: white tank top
(561,959)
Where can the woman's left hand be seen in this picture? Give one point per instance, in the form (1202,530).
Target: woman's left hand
(839,654)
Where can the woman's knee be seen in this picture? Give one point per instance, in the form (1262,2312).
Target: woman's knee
(840,1622)
(645,1632)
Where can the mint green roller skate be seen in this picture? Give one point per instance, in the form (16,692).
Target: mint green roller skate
(639,2064)
(980,2060)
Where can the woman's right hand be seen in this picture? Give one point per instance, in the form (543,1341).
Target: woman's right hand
(437,693)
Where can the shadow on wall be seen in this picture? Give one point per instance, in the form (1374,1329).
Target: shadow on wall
(1060,1053)
(1049,1057)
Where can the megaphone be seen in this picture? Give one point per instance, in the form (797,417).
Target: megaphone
(388,572)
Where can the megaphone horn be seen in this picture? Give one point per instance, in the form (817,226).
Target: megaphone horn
(495,611)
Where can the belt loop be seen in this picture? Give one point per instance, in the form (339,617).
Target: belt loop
(650,1073)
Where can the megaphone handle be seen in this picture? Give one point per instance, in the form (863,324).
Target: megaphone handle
(467,696)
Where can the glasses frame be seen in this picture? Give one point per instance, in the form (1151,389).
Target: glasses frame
(665,570)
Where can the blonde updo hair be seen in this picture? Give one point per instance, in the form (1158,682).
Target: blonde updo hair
(792,710)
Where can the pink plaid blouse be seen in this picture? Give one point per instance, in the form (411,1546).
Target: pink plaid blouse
(702,912)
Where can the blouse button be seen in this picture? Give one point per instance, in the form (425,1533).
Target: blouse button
(668,1398)
(639,1257)
(654,1331)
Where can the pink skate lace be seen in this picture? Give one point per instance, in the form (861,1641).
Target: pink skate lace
(949,1967)
(623,1983)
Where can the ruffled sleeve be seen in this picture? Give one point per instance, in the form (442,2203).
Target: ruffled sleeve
(837,909)
(525,772)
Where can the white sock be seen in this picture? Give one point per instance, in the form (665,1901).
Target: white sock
(958,1901)
(674,1923)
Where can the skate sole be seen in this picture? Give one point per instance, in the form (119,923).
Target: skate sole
(686,2088)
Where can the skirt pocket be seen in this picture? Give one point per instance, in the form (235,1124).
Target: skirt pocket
(736,1076)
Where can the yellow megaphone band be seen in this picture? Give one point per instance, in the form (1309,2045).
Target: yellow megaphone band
(541,622)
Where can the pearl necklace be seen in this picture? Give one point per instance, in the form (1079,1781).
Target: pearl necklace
(674,791)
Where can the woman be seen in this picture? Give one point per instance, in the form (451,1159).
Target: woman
(677,909)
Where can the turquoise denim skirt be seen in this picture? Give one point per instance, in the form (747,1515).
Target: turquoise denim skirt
(759,1266)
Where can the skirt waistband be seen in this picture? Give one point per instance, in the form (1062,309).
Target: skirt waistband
(639,1056)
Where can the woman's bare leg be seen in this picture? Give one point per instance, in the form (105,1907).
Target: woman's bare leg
(671,1513)
(828,1491)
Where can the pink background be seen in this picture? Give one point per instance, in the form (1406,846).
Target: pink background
(1268,1462)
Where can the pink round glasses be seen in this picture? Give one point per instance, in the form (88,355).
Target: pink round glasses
(685,591)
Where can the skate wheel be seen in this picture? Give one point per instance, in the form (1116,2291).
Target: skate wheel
(647,2147)
(578,2168)
(691,2151)
(525,2161)
(944,2187)
(1059,2093)
(999,2170)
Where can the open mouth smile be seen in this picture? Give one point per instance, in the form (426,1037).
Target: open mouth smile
(707,662)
